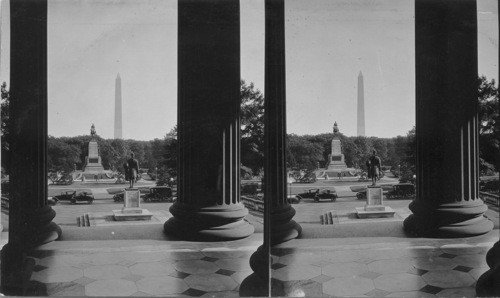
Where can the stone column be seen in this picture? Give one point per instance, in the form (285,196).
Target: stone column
(208,206)
(279,212)
(30,218)
(447,203)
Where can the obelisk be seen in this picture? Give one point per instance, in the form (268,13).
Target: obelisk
(118,107)
(361,106)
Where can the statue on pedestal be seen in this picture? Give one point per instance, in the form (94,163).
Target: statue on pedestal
(92,130)
(132,169)
(373,165)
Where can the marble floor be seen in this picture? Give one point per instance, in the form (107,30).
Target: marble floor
(383,267)
(340,267)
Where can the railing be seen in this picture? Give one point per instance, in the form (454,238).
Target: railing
(253,204)
(490,198)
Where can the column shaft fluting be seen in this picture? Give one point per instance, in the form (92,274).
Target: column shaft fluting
(208,206)
(447,151)
(30,217)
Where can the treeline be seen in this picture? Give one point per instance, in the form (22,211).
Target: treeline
(67,153)
(309,152)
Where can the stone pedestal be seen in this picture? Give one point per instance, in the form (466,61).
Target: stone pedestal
(336,158)
(30,217)
(374,207)
(132,207)
(447,151)
(208,206)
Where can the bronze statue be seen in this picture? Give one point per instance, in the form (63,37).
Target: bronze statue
(373,165)
(335,128)
(133,170)
(92,130)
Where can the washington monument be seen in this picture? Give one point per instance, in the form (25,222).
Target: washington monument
(361,106)
(118,108)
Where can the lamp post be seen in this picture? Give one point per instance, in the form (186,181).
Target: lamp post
(156,173)
(399,171)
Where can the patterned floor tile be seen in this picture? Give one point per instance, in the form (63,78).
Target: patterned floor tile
(138,257)
(225,272)
(296,272)
(194,292)
(431,289)
(196,267)
(140,294)
(390,266)
(417,271)
(241,275)
(84,280)
(411,294)
(73,290)
(222,294)
(399,282)
(303,288)
(344,269)
(222,253)
(348,286)
(377,293)
(183,255)
(209,259)
(434,264)
(106,272)
(110,287)
(473,261)
(133,277)
(364,260)
(476,273)
(322,278)
(370,274)
(152,269)
(277,266)
(343,256)
(178,274)
(458,292)
(211,282)
(161,285)
(462,268)
(57,274)
(447,255)
(234,264)
(102,259)
(448,279)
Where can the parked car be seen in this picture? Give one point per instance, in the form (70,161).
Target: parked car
(73,196)
(318,194)
(292,199)
(159,194)
(401,191)
(361,194)
(52,201)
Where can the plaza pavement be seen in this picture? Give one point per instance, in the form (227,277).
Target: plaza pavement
(351,258)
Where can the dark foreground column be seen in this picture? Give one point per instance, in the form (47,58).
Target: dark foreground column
(278,212)
(30,218)
(208,206)
(448,203)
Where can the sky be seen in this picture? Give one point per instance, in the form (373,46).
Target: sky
(328,42)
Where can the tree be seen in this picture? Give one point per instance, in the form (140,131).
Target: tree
(489,131)
(61,157)
(303,154)
(5,130)
(252,127)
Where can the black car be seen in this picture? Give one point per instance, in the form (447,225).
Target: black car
(401,191)
(73,196)
(159,194)
(318,194)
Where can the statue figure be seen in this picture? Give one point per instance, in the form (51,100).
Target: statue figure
(133,170)
(335,128)
(373,165)
(92,130)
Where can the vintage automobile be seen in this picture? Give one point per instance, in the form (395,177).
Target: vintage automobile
(118,197)
(293,199)
(159,194)
(401,191)
(318,194)
(73,196)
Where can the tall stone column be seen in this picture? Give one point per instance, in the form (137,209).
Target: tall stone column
(447,203)
(208,206)
(279,212)
(30,217)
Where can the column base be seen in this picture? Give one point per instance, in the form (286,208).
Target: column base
(39,230)
(487,285)
(260,262)
(254,286)
(452,220)
(218,223)
(283,228)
